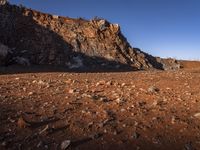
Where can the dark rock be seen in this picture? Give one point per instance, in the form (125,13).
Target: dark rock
(3,53)
(136,135)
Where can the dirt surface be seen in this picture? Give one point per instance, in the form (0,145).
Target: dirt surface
(130,110)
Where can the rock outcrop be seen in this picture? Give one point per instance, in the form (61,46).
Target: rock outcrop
(169,63)
(74,43)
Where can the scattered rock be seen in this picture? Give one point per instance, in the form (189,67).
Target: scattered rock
(102,82)
(44,130)
(153,89)
(188,146)
(136,135)
(4,143)
(71,91)
(96,136)
(65,144)
(120,100)
(22,123)
(31,93)
(197,115)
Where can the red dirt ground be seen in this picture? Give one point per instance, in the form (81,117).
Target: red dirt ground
(144,110)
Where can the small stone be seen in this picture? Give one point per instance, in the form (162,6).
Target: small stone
(197,115)
(65,144)
(4,143)
(30,93)
(173,120)
(11,120)
(68,81)
(104,99)
(102,82)
(109,83)
(188,146)
(86,95)
(24,89)
(40,82)
(71,91)
(21,123)
(123,110)
(123,84)
(90,124)
(153,89)
(155,103)
(124,125)
(96,136)
(46,147)
(115,132)
(136,135)
(34,81)
(40,144)
(120,100)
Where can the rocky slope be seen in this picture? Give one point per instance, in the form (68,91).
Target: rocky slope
(39,38)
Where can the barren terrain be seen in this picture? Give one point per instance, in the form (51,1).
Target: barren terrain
(122,110)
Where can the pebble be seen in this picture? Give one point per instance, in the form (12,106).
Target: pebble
(4,143)
(21,123)
(30,93)
(197,115)
(153,89)
(71,91)
(65,144)
(120,100)
(136,135)
(101,83)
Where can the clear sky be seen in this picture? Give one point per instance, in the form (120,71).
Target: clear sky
(166,28)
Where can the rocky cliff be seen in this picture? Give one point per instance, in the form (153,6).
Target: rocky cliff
(38,38)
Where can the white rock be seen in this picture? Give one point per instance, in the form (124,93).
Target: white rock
(65,144)
(197,115)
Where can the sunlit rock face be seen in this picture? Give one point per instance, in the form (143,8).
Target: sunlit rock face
(54,40)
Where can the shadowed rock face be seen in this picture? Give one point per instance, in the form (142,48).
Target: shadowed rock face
(3,53)
(49,39)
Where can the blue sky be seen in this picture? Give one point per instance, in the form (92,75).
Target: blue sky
(166,28)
